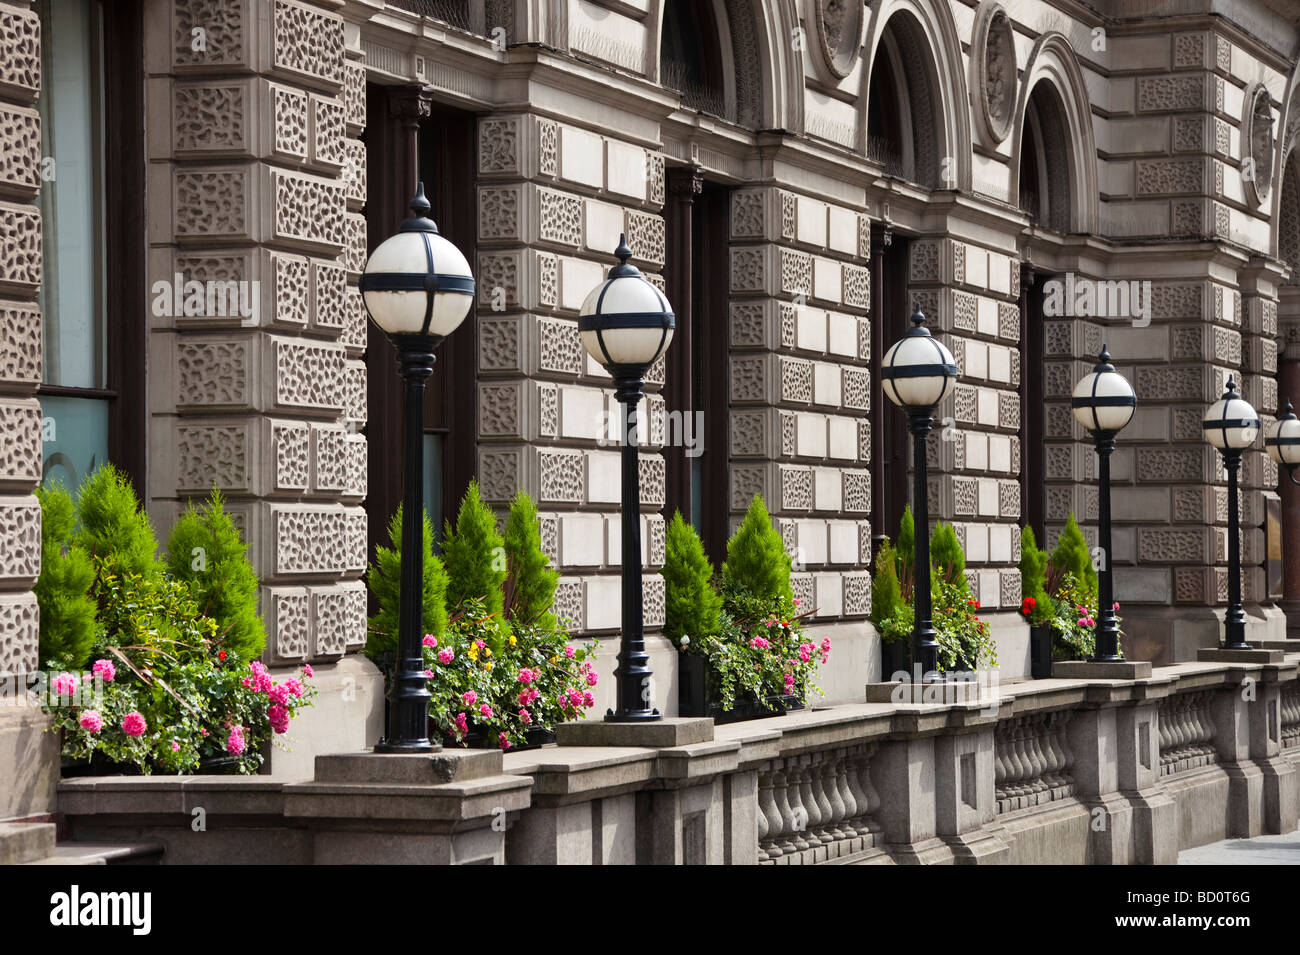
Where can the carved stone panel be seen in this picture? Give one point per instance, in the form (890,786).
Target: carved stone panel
(993,63)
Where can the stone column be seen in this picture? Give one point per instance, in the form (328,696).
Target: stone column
(1094,736)
(1155,814)
(30,755)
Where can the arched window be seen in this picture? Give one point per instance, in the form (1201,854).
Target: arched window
(1044,160)
(903,104)
(690,56)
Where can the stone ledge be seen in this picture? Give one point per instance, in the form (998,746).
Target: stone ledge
(445,766)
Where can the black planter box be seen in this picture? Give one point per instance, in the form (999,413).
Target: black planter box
(693,696)
(894,657)
(476,738)
(1040,652)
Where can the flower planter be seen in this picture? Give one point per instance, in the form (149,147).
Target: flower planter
(693,696)
(218,766)
(97,765)
(534,736)
(895,657)
(1040,652)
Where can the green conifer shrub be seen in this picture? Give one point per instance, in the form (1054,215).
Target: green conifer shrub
(947,560)
(1073,556)
(68,623)
(385,580)
(206,550)
(757,564)
(530,582)
(1033,571)
(474,554)
(691,604)
(112,526)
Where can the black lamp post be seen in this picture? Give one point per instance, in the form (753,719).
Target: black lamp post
(1103,403)
(1231,425)
(417,287)
(626,324)
(918,373)
(1283,444)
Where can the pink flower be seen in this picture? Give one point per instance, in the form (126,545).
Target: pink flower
(797,601)
(294,687)
(1116,605)
(525,716)
(462,724)
(261,680)
(592,678)
(1083,621)
(307,670)
(575,697)
(430,640)
(759,643)
(826,645)
(133,724)
(105,669)
(85,678)
(428,674)
(486,711)
(203,732)
(278,694)
(501,738)
(445,655)
(568,652)
(469,696)
(65,684)
(176,747)
(526,675)
(588,699)
(235,741)
(91,721)
(279,717)
(527,696)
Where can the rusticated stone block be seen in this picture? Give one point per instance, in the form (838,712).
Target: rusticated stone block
(338,618)
(20,59)
(20,443)
(287,612)
(20,621)
(307,44)
(20,538)
(20,345)
(20,160)
(20,248)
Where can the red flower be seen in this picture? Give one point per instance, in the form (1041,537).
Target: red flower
(1027,606)
(221,655)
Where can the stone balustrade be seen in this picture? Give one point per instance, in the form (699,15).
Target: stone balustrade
(1186,732)
(1060,770)
(1032,760)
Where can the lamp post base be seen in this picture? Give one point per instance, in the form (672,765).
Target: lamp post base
(401,747)
(633,716)
(652,734)
(1095,670)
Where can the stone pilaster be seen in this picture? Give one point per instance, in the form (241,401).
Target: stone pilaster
(553,199)
(256,179)
(970,296)
(800,399)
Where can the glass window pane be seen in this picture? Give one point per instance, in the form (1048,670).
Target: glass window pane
(75,434)
(71,294)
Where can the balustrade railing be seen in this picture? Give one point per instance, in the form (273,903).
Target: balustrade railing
(817,806)
(1032,760)
(1291,715)
(1186,732)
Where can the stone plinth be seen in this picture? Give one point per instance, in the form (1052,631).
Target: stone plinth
(669,731)
(1239,656)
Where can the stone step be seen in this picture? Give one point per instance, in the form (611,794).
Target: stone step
(22,842)
(96,853)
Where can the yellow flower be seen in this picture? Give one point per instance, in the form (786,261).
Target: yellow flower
(473,651)
(487,665)
(488,651)
(512,639)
